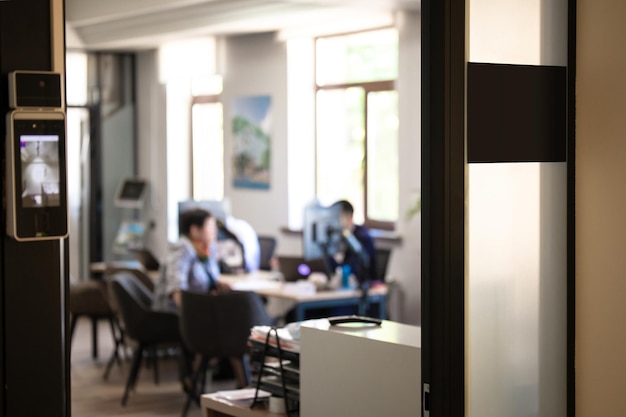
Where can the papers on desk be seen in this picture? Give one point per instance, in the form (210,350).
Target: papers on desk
(242,394)
(287,340)
(300,287)
(255,285)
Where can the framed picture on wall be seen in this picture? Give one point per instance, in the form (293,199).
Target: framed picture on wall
(251,127)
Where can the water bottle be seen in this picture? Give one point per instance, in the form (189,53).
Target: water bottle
(346,270)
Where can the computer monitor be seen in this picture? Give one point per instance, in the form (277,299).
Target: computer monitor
(131,193)
(321,231)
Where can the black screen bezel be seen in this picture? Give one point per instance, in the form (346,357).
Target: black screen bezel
(48,221)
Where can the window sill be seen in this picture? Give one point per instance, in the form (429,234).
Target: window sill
(379,235)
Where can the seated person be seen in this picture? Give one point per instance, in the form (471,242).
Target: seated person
(238,245)
(362,234)
(191,265)
(249,240)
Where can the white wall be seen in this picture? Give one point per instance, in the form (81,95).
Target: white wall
(257,65)
(405,263)
(152,146)
(117,149)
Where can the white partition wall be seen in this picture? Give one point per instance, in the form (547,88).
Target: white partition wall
(366,371)
(517,289)
(516,237)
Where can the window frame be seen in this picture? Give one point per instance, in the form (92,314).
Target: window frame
(368,87)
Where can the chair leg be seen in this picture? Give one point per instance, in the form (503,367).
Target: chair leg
(187,405)
(193,394)
(114,357)
(241,369)
(203,369)
(113,332)
(120,330)
(94,337)
(72,328)
(155,365)
(142,349)
(119,342)
(134,372)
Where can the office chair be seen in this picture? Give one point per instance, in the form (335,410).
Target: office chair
(88,299)
(148,282)
(147,327)
(268,246)
(382,261)
(218,326)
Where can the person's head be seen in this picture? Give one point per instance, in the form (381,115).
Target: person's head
(198,225)
(346,213)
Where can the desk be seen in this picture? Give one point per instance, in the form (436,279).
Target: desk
(378,370)
(214,406)
(348,371)
(268,284)
(108,267)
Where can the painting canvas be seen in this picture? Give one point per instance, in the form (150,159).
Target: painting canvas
(251,126)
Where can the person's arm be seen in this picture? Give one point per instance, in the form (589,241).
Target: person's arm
(220,286)
(373,267)
(176,297)
(364,237)
(333,263)
(177,273)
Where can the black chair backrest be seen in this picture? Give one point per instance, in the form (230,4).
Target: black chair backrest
(267,246)
(219,325)
(133,302)
(382,260)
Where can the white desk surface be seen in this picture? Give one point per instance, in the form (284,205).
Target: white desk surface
(388,331)
(270,284)
(214,405)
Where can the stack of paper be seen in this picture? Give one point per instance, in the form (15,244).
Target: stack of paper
(287,342)
(242,394)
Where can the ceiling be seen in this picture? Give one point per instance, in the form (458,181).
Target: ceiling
(141,24)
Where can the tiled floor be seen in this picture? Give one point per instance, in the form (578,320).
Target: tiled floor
(92,396)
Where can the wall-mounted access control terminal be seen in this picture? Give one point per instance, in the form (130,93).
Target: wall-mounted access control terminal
(36,175)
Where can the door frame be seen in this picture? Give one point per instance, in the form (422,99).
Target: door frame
(443,206)
(444,24)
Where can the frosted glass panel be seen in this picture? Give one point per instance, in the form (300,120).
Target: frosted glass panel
(516,328)
(532,32)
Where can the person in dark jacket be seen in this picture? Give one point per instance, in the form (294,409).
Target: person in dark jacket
(362,235)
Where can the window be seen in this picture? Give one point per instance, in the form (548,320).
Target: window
(207,139)
(357,124)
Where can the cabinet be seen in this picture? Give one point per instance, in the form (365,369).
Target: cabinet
(365,371)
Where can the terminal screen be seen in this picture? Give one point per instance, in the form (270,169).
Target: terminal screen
(39,155)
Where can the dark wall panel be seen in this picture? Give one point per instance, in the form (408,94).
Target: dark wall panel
(443,205)
(516,113)
(32,312)
(34,329)
(24,40)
